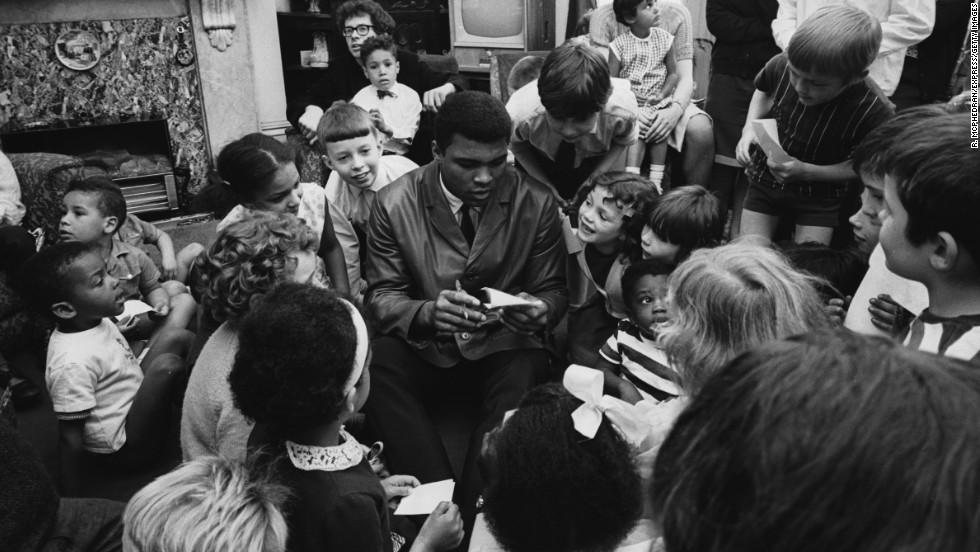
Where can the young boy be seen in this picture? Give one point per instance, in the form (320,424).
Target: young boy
(575,123)
(395,107)
(930,231)
(208,504)
(823,105)
(351,147)
(94,210)
(635,366)
(176,266)
(525,71)
(107,402)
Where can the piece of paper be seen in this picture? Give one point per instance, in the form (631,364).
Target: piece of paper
(768,136)
(495,299)
(134,307)
(425,498)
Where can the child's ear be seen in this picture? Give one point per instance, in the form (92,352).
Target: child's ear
(436,152)
(327,162)
(64,310)
(944,252)
(366,73)
(109,225)
(350,400)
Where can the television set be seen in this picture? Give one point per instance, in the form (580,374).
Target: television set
(480,27)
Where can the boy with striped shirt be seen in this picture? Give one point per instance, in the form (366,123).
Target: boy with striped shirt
(634,364)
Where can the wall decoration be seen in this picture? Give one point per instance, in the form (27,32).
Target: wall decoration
(138,77)
(77,50)
(219,21)
(185,54)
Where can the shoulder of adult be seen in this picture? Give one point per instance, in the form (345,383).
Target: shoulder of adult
(526,186)
(311,188)
(670,11)
(407,56)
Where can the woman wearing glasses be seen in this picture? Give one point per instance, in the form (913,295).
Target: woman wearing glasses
(359,20)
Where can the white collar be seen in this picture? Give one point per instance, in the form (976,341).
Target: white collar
(454,202)
(313,458)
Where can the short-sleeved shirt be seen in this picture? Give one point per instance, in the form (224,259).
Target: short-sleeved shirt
(644,363)
(824,134)
(675,18)
(137,274)
(136,231)
(401,112)
(642,63)
(957,337)
(93,376)
(616,124)
(356,203)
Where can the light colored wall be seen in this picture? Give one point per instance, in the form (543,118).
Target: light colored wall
(270,90)
(49,11)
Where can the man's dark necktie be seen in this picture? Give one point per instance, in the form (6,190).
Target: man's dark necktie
(466,224)
(383,93)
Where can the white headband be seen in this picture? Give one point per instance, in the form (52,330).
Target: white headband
(361,352)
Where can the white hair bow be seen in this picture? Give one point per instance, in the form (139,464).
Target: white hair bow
(586,385)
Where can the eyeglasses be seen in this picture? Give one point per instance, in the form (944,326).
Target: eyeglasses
(362,30)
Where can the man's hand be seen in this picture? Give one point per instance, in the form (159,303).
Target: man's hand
(454,311)
(309,121)
(526,320)
(662,123)
(433,99)
(442,530)
(398,486)
(790,171)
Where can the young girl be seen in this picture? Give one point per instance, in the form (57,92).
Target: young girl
(263,174)
(301,383)
(607,208)
(726,300)
(825,442)
(678,222)
(550,488)
(645,56)
(245,262)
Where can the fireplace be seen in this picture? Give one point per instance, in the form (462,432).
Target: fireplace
(134,153)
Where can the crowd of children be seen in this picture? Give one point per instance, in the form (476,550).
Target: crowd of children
(694,338)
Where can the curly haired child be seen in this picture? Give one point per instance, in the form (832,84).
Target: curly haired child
(301,383)
(827,441)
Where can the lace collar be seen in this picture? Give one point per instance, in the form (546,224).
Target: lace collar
(313,458)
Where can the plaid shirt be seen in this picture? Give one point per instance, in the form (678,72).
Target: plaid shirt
(824,134)
(642,62)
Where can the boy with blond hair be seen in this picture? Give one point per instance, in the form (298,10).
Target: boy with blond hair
(824,104)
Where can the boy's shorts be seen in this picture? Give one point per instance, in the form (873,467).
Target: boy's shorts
(803,211)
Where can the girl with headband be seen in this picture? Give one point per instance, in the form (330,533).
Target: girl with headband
(301,383)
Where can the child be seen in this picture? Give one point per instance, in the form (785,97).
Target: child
(575,123)
(351,148)
(607,208)
(210,504)
(678,222)
(930,234)
(94,210)
(825,442)
(301,383)
(135,231)
(395,107)
(106,401)
(823,106)
(549,488)
(729,299)
(633,362)
(525,71)
(264,175)
(645,56)
(840,270)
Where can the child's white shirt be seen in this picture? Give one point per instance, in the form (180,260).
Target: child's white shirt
(401,112)
(93,375)
(355,203)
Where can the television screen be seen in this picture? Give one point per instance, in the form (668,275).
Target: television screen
(497,19)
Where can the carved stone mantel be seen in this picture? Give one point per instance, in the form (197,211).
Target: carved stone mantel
(218,17)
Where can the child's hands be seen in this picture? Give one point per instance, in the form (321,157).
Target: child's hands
(887,315)
(398,486)
(790,171)
(443,529)
(128,324)
(160,310)
(379,121)
(743,150)
(169,263)
(626,391)
(836,309)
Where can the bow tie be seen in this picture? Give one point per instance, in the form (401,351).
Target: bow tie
(383,93)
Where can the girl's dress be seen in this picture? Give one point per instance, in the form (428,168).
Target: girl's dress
(642,62)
